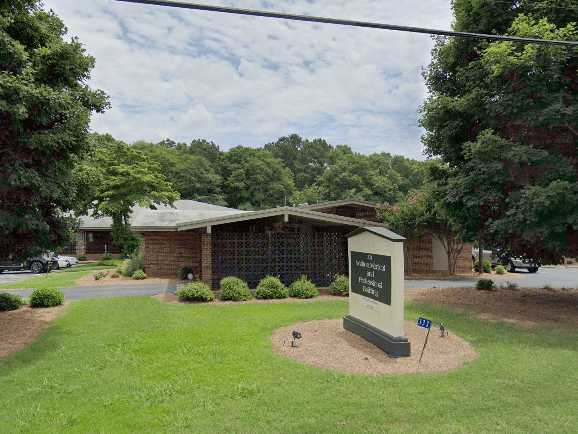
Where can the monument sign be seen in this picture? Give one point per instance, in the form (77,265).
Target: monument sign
(376,289)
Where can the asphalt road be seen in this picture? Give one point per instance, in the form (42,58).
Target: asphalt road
(555,277)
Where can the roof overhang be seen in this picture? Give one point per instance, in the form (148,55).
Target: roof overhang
(274,212)
(337,203)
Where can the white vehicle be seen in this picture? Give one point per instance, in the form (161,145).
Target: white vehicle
(62,262)
(71,259)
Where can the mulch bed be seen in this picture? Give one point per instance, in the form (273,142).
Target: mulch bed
(18,328)
(326,344)
(524,307)
(89,280)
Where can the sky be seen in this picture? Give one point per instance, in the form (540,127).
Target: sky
(183,74)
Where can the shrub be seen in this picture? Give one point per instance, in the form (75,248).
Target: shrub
(133,264)
(107,257)
(139,275)
(485,285)
(114,276)
(184,272)
(100,275)
(271,288)
(487,266)
(107,263)
(340,286)
(500,270)
(198,292)
(235,289)
(82,258)
(10,302)
(46,297)
(303,288)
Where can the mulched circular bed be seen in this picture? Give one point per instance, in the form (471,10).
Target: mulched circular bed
(327,345)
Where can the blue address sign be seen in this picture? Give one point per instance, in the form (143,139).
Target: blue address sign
(424,323)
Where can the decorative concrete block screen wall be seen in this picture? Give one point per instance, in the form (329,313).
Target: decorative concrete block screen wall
(252,256)
(166,253)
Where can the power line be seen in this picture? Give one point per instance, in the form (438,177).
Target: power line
(352,23)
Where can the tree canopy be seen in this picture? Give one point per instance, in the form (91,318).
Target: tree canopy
(45,109)
(503,117)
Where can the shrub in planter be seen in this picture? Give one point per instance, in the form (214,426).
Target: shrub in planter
(487,267)
(485,285)
(235,289)
(133,264)
(303,288)
(271,288)
(46,297)
(185,272)
(139,275)
(500,270)
(340,286)
(10,302)
(198,292)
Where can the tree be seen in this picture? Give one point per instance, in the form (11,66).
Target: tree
(419,214)
(45,109)
(116,177)
(193,176)
(307,159)
(502,117)
(254,178)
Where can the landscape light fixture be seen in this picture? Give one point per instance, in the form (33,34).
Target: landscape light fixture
(297,336)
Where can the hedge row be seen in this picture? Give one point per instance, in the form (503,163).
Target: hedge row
(269,288)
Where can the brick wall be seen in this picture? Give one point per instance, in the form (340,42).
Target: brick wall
(166,253)
(420,255)
(464,262)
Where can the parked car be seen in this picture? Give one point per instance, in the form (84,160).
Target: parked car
(37,264)
(514,263)
(71,260)
(62,262)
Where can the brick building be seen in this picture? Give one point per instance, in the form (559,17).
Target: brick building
(288,242)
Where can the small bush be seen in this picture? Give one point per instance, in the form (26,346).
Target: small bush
(133,264)
(197,292)
(235,289)
(139,275)
(100,275)
(340,286)
(500,270)
(46,297)
(271,288)
(114,276)
(10,302)
(82,258)
(487,267)
(107,263)
(303,288)
(485,285)
(107,257)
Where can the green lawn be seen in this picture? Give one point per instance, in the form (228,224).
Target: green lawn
(138,365)
(64,278)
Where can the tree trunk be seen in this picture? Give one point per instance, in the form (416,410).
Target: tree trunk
(480,257)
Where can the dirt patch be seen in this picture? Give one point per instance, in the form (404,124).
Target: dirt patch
(169,297)
(89,280)
(21,327)
(525,307)
(326,344)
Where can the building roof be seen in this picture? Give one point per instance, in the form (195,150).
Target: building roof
(346,202)
(164,217)
(296,212)
(379,231)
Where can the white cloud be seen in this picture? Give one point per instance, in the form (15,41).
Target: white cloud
(240,80)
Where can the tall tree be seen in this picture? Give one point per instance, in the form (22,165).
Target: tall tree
(503,117)
(115,178)
(192,175)
(307,159)
(254,178)
(45,109)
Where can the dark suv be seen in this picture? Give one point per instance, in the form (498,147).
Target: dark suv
(37,264)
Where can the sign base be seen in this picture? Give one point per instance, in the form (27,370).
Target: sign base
(393,346)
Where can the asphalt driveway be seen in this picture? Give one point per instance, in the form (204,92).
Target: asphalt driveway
(554,277)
